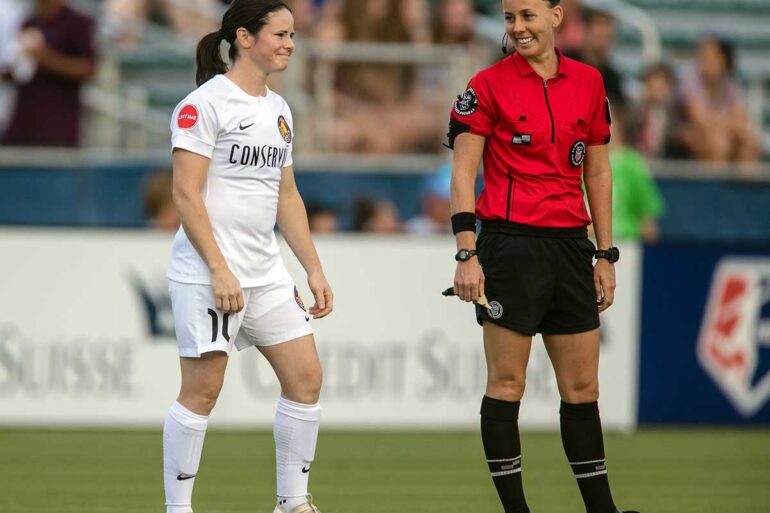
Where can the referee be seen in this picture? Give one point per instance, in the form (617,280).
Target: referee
(541,123)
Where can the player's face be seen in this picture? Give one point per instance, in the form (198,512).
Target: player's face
(274,43)
(530,25)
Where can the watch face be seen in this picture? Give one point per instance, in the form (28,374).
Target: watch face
(614,254)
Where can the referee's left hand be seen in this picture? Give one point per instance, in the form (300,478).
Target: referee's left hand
(469,280)
(323,295)
(604,283)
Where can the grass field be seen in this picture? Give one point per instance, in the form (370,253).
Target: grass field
(655,471)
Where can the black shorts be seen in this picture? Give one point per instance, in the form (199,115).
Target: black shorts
(537,280)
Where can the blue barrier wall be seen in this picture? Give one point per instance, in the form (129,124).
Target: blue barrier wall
(110,195)
(675,387)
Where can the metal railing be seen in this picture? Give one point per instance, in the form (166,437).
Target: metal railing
(325,59)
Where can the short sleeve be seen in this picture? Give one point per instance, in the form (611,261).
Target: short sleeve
(290,139)
(601,116)
(194,125)
(474,108)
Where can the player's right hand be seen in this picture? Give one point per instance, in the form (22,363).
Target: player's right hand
(469,280)
(227,291)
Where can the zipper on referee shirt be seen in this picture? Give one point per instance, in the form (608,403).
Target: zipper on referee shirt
(550,113)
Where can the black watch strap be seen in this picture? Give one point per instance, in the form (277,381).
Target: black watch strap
(465,254)
(612,254)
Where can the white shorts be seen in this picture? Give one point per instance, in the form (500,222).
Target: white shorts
(271,314)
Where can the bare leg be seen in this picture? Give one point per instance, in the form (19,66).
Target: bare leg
(575,360)
(185,427)
(507,353)
(297,417)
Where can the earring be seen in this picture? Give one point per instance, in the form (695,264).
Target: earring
(504,44)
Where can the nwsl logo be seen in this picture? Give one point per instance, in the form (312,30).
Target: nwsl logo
(735,330)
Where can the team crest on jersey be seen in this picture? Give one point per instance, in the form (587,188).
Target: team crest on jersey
(187,117)
(577,153)
(735,327)
(283,128)
(466,103)
(298,299)
(495,310)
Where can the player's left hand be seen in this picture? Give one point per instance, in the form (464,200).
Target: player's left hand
(322,292)
(604,283)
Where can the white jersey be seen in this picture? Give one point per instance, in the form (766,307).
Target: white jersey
(248,139)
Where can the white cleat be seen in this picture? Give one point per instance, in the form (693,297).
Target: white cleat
(307,507)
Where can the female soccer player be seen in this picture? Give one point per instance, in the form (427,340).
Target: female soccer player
(233,180)
(533,118)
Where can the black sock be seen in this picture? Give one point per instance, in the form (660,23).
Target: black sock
(500,435)
(581,435)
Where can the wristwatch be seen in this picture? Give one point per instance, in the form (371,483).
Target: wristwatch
(465,254)
(612,255)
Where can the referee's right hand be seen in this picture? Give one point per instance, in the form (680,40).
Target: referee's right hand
(469,280)
(227,291)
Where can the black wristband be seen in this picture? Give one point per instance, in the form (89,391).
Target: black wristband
(464,222)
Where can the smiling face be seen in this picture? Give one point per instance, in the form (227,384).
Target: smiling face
(530,25)
(271,47)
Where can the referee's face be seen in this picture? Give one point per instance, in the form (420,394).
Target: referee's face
(530,25)
(274,43)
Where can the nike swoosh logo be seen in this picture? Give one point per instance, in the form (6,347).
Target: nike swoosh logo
(182,477)
(245,127)
(305,470)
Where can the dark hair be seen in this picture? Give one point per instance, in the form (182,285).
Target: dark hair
(249,14)
(553,3)
(658,68)
(592,15)
(724,47)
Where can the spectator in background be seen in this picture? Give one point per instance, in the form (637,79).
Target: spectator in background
(188,18)
(10,22)
(654,122)
(322,219)
(378,106)
(597,46)
(636,202)
(716,125)
(47,109)
(376,216)
(436,209)
(453,22)
(158,204)
(570,34)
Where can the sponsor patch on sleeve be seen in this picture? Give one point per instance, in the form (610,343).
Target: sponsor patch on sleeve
(466,103)
(187,117)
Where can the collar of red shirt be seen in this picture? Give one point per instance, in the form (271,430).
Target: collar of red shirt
(524,68)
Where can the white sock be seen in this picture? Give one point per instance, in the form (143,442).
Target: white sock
(295,431)
(183,435)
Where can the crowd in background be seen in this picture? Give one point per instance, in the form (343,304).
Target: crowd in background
(697,111)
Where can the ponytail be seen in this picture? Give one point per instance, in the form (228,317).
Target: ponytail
(249,14)
(208,58)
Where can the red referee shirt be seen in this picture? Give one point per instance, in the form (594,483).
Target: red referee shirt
(537,132)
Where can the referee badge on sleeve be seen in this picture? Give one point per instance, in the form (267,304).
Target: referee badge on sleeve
(466,103)
(577,153)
